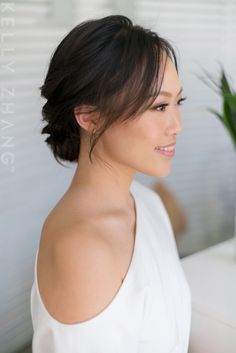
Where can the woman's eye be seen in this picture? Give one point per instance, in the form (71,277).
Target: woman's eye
(181,100)
(162,107)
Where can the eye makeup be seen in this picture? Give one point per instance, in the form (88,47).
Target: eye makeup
(163,105)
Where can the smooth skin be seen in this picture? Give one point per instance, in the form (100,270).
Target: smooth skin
(87,240)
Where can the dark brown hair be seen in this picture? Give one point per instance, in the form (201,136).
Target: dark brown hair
(107,63)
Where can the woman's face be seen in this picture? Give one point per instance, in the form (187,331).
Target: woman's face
(134,143)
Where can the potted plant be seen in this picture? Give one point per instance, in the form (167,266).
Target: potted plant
(228,112)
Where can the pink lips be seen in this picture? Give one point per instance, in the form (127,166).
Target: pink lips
(172,144)
(167,153)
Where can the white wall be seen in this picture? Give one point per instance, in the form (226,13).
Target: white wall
(203,170)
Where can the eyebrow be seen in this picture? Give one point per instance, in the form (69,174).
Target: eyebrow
(168,94)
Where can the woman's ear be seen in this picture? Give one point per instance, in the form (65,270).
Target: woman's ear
(86,117)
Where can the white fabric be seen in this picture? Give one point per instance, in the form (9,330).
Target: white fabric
(151,312)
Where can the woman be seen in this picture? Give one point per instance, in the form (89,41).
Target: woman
(107,273)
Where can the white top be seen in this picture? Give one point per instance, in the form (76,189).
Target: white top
(150,313)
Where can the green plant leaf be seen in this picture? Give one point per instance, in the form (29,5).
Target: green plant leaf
(224,84)
(231,100)
(216,113)
(228,121)
(228,114)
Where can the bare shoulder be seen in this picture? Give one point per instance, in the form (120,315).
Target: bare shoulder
(77,275)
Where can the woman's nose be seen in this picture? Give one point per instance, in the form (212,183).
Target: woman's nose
(176,124)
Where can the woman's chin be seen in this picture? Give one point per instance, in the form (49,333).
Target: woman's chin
(160,173)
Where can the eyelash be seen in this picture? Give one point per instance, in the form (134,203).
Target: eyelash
(165,105)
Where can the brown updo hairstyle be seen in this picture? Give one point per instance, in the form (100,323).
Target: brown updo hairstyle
(109,64)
